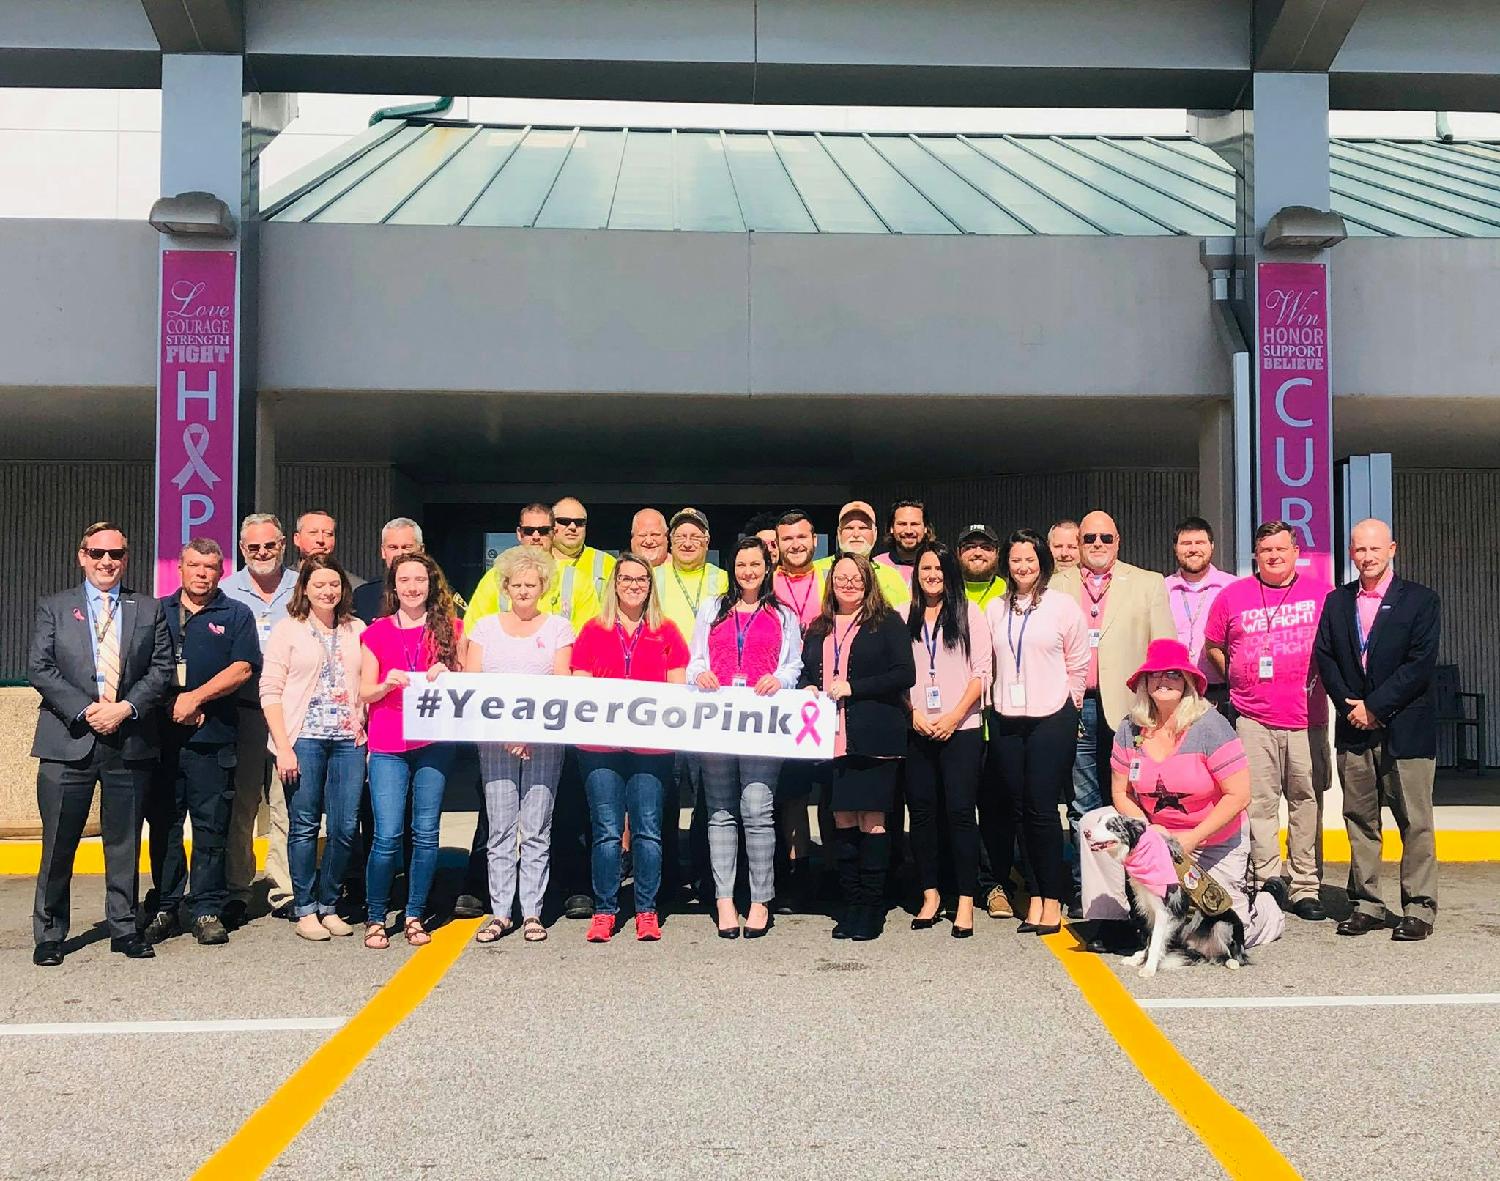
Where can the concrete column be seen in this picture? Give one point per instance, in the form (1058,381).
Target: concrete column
(1216,478)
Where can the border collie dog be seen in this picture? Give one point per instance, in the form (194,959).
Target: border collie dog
(1180,932)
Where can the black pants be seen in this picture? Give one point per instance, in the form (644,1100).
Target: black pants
(942,780)
(1034,757)
(196,781)
(571,835)
(64,792)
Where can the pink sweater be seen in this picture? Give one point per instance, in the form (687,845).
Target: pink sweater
(290,666)
(954,672)
(1054,655)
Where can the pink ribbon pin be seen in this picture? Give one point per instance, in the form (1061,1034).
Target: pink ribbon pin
(811,711)
(216,628)
(77,614)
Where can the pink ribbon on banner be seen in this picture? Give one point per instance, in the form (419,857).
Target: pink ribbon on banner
(811,711)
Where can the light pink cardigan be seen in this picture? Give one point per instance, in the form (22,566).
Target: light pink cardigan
(290,666)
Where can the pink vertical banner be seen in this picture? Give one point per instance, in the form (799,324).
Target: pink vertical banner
(1295,420)
(197,407)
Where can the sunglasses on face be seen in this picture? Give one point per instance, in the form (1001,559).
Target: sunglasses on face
(262,547)
(533,530)
(1106,538)
(1171,674)
(100,554)
(568,522)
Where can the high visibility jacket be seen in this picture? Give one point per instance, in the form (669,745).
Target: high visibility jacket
(982,594)
(682,593)
(575,592)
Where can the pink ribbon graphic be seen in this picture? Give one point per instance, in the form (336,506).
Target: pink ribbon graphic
(811,711)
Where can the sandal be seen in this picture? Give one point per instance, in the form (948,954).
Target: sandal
(416,934)
(375,937)
(532,930)
(494,930)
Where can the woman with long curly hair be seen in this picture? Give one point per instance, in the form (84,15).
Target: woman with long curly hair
(419,638)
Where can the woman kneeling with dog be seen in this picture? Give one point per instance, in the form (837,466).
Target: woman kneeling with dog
(1178,765)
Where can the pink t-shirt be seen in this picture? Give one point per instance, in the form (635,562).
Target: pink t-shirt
(803,596)
(644,655)
(1252,621)
(404,648)
(1180,790)
(535,654)
(760,634)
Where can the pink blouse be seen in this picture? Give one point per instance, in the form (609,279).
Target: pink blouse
(951,671)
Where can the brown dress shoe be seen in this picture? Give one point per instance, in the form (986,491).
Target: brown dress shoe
(1411,930)
(1360,923)
(997,904)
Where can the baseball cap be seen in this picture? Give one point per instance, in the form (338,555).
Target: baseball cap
(857,506)
(686,515)
(983,531)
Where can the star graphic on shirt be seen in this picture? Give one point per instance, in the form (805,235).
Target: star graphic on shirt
(1169,799)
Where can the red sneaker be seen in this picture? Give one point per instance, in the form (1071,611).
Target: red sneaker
(601,928)
(646,926)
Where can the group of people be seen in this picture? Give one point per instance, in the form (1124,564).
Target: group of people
(979,689)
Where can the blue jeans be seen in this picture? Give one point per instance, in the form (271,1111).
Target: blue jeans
(1091,775)
(331,775)
(618,783)
(424,772)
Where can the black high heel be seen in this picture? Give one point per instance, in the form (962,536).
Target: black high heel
(921,924)
(758,932)
(1050,929)
(961,932)
(1026,928)
(729,932)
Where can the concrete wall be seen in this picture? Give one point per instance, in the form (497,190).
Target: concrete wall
(418,307)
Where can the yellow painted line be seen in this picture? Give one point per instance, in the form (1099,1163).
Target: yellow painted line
(277,1122)
(24,858)
(1235,1141)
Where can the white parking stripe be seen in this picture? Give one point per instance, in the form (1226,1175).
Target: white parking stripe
(1321,1002)
(250,1025)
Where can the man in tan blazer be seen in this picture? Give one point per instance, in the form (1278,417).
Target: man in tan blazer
(1125,608)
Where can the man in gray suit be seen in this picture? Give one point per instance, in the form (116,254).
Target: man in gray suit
(101,658)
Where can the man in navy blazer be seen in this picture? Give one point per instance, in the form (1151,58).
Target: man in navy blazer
(1376,648)
(102,661)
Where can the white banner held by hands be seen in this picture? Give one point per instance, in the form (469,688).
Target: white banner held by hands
(595,711)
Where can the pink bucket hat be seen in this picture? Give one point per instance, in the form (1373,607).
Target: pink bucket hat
(1164,656)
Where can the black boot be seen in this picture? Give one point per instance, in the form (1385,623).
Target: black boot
(874,857)
(846,854)
(791,888)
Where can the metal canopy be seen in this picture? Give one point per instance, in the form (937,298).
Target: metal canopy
(418,172)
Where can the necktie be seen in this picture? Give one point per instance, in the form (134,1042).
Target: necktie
(107,663)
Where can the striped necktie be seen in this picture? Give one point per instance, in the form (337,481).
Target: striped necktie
(107,662)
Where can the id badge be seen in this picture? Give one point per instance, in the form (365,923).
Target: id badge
(1135,770)
(1094,634)
(1267,667)
(265,629)
(739,681)
(182,674)
(934,698)
(1018,695)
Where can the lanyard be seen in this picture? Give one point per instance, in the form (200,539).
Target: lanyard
(1359,627)
(412,654)
(1270,614)
(930,642)
(839,641)
(740,635)
(628,650)
(1188,599)
(1095,600)
(101,627)
(682,586)
(1017,644)
(812,582)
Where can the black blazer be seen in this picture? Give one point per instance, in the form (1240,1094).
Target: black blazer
(881,672)
(1403,648)
(61,669)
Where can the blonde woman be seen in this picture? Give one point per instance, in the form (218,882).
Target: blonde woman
(630,640)
(520,779)
(1179,766)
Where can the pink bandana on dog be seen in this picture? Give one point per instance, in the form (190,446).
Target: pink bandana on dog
(1149,864)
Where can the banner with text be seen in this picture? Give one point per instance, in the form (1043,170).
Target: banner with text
(593,711)
(1295,418)
(197,407)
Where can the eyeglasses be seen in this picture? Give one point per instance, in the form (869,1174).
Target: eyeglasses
(854,583)
(568,522)
(689,535)
(258,547)
(1106,538)
(97,555)
(1170,674)
(533,530)
(629,580)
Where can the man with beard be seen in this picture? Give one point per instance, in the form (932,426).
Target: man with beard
(1191,592)
(1125,608)
(856,535)
(648,536)
(906,529)
(979,555)
(265,586)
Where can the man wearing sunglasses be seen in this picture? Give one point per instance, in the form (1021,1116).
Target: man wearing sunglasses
(1125,608)
(264,585)
(101,659)
(582,570)
(569,595)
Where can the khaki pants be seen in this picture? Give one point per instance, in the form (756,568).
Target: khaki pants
(256,783)
(1294,764)
(1371,778)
